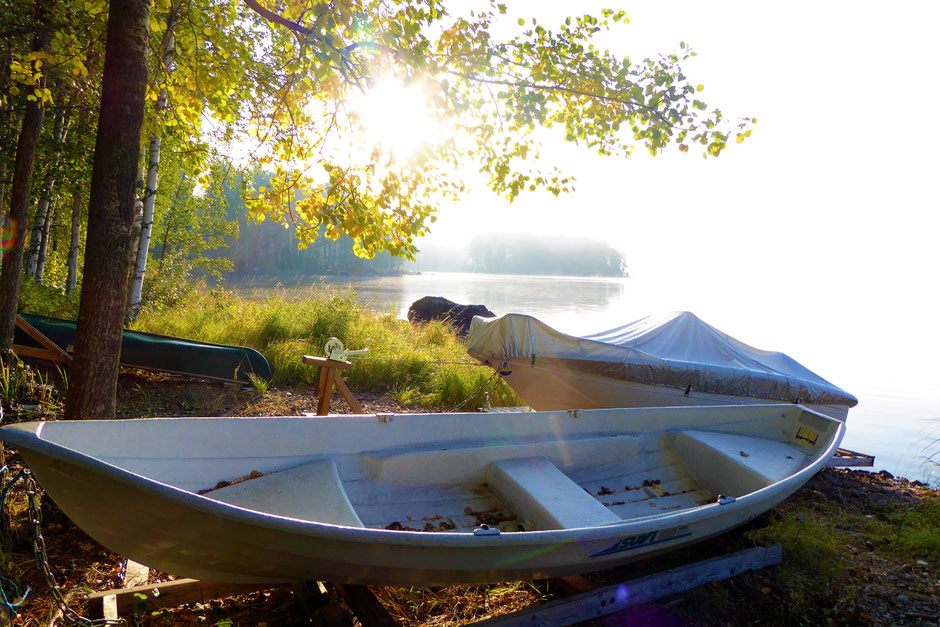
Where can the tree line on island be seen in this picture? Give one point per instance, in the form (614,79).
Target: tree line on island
(521,254)
(122,123)
(269,249)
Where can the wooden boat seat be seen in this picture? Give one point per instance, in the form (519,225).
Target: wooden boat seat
(311,491)
(545,497)
(733,465)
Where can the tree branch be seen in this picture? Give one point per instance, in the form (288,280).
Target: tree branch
(271,16)
(29,30)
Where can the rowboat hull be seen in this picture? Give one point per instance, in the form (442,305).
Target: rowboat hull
(552,384)
(673,359)
(135,489)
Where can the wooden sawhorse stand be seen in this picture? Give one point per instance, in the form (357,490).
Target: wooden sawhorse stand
(327,377)
(50,351)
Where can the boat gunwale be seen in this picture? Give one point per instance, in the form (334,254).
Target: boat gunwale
(29,436)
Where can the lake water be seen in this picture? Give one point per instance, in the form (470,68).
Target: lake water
(856,345)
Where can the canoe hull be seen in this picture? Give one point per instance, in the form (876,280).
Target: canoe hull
(159,353)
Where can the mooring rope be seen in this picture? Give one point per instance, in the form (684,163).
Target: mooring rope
(491,381)
(421,361)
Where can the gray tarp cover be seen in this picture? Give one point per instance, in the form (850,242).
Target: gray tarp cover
(675,350)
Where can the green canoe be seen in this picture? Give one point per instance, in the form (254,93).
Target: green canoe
(161,353)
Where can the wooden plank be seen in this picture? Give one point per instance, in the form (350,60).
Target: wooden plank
(135,574)
(844,458)
(170,594)
(610,599)
(36,353)
(367,608)
(109,607)
(575,584)
(323,362)
(324,391)
(51,346)
(341,386)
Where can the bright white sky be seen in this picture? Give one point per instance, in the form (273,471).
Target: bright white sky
(836,186)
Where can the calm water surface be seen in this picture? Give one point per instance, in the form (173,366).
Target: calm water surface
(898,415)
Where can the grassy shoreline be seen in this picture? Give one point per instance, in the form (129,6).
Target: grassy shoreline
(413,364)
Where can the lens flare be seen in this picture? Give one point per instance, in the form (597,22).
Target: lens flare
(7,236)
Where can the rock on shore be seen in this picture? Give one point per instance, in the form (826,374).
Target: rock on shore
(430,308)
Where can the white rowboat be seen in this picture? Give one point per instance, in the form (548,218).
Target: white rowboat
(658,361)
(421,498)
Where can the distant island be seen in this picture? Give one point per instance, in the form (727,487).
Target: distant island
(271,248)
(525,254)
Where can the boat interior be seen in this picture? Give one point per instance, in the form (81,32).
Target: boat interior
(457,472)
(576,483)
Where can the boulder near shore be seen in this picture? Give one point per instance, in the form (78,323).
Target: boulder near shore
(430,308)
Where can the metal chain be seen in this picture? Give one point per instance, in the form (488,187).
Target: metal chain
(42,562)
(491,381)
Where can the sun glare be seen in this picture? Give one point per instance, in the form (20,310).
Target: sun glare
(396,117)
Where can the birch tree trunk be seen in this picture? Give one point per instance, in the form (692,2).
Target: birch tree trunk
(146,229)
(41,218)
(74,243)
(71,280)
(150,189)
(12,266)
(39,221)
(138,212)
(93,382)
(44,243)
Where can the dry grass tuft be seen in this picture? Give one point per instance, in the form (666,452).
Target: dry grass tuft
(457,605)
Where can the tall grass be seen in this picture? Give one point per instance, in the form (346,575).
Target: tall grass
(426,365)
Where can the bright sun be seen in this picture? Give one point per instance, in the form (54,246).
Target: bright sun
(396,117)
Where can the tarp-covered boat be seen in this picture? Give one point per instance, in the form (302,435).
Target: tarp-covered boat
(672,359)
(421,498)
(160,353)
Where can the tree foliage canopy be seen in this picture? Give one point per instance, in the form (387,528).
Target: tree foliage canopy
(274,84)
(490,96)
